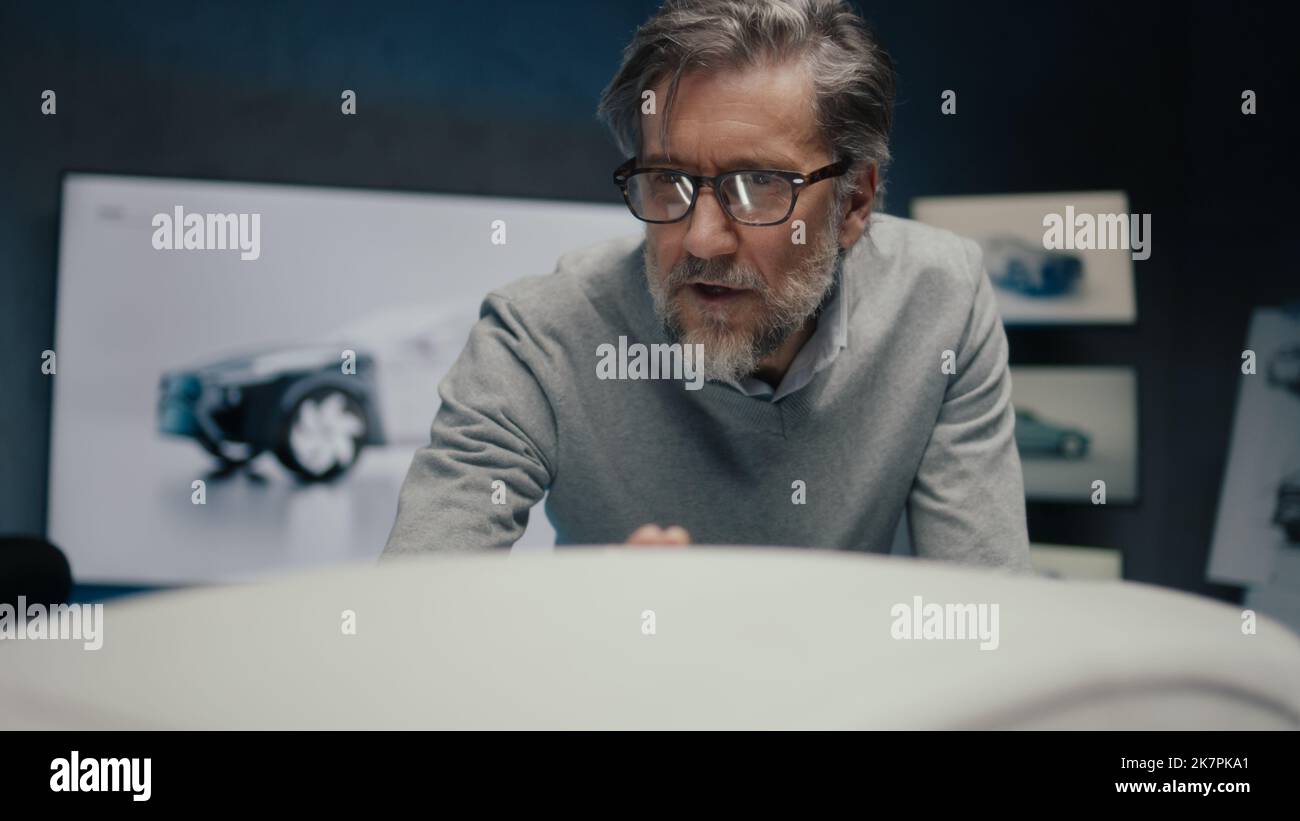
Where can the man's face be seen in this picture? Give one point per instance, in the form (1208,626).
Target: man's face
(740,290)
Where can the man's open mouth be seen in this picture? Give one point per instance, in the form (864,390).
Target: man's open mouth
(709,292)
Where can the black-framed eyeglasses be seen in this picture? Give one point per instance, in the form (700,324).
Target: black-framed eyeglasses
(750,197)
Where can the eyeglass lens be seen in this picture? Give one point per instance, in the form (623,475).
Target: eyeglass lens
(749,196)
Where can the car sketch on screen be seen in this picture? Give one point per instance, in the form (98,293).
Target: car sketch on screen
(307,405)
(1284,370)
(1019,266)
(1035,437)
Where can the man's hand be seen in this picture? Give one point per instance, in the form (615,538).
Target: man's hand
(656,536)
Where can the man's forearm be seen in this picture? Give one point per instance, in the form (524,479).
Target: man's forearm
(487,462)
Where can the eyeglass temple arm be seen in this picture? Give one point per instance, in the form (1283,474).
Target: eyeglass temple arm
(835,169)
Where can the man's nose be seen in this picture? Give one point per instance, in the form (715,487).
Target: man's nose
(710,232)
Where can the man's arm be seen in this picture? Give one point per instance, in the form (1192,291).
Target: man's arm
(967,503)
(495,424)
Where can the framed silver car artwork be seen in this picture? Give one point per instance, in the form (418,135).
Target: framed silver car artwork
(1074,426)
(1048,282)
(232,373)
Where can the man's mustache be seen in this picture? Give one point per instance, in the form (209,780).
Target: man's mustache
(718,271)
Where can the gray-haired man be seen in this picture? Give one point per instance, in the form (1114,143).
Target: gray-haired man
(757,133)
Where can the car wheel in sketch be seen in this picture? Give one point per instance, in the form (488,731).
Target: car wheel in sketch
(1072,446)
(322,434)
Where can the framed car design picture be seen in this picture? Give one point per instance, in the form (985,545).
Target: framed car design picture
(1076,426)
(1052,258)
(1258,521)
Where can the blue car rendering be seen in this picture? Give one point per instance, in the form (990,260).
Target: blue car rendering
(1031,270)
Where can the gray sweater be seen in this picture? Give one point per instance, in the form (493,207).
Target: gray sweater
(883,427)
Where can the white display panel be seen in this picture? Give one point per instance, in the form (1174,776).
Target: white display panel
(334,268)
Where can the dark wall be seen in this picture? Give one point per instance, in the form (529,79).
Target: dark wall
(498,99)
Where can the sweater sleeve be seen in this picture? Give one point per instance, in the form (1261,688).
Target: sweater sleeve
(491,452)
(967,503)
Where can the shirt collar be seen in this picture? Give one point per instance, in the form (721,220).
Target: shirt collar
(817,353)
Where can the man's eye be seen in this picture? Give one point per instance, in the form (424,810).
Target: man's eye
(665,178)
(761,179)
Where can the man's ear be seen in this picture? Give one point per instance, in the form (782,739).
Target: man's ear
(860,203)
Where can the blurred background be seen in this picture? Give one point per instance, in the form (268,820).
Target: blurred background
(498,99)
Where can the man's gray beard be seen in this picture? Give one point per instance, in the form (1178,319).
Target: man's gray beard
(734,354)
